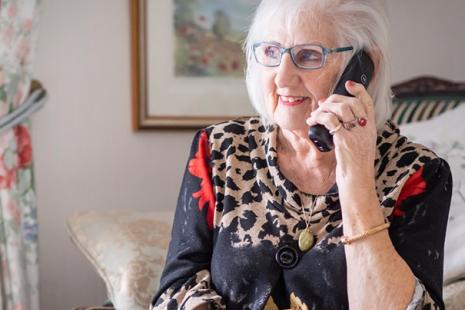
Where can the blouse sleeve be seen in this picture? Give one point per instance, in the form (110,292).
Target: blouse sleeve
(185,282)
(418,297)
(418,228)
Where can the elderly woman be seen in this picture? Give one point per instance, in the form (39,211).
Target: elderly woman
(265,220)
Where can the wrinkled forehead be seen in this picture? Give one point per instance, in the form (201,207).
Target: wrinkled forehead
(293,26)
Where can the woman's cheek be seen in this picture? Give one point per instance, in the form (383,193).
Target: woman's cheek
(268,82)
(269,88)
(271,103)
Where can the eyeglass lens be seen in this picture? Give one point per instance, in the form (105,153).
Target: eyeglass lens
(308,56)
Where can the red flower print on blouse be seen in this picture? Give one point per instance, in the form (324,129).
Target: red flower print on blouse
(415,185)
(198,167)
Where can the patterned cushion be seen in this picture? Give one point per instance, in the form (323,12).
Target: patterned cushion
(127,248)
(414,109)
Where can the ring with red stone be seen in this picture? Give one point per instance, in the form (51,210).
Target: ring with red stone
(362,121)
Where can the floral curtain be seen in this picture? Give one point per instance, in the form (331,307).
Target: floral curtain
(18,212)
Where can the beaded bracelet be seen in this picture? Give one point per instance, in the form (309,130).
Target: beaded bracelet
(374,230)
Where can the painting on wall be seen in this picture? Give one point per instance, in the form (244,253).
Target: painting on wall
(209,36)
(188,62)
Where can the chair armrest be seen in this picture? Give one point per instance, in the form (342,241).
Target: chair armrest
(127,248)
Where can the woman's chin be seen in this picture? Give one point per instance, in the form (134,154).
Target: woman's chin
(294,125)
(294,121)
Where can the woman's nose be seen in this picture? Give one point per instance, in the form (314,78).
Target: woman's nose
(287,73)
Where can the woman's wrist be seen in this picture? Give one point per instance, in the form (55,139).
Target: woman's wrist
(357,185)
(360,209)
(355,225)
(360,174)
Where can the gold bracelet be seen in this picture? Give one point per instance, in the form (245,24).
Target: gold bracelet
(374,230)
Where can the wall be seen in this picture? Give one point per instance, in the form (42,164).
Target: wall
(86,155)
(427,38)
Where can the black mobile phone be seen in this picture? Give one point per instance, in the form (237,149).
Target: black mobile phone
(359,69)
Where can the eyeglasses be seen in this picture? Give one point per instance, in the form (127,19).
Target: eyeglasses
(304,56)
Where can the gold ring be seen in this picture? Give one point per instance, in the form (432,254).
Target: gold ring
(332,132)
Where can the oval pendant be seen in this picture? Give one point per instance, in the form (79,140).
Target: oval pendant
(306,240)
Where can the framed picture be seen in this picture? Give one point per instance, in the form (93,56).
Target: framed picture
(188,63)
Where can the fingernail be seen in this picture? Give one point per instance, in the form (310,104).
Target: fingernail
(351,83)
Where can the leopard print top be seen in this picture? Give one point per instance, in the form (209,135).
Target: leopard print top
(234,238)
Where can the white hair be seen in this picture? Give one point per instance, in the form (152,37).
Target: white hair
(362,24)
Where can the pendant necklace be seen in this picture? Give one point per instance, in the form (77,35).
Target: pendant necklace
(306,237)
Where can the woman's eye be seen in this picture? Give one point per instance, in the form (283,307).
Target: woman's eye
(271,51)
(309,56)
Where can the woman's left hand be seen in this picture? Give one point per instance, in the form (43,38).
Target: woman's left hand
(355,148)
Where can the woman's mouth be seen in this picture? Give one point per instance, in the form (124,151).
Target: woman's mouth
(291,101)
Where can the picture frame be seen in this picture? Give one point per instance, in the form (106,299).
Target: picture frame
(175,89)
